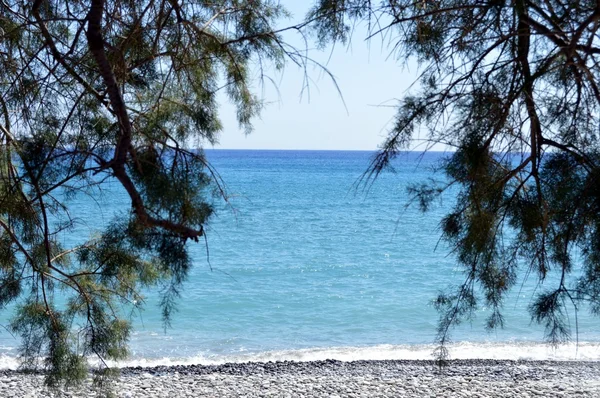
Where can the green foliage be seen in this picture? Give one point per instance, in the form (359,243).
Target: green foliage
(119,91)
(512,87)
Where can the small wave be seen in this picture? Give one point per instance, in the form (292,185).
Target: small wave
(588,351)
(8,362)
(524,351)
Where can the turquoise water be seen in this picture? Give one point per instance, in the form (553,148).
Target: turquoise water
(305,266)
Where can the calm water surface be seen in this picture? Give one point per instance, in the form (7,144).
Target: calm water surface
(305,266)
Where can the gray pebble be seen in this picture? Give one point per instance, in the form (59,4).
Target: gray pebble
(469,378)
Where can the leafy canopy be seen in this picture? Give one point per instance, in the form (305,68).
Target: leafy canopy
(113,90)
(513,87)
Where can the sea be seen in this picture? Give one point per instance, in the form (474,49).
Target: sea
(307,261)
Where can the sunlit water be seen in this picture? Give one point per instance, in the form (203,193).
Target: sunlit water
(307,266)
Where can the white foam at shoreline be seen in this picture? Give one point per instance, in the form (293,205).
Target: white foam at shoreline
(586,351)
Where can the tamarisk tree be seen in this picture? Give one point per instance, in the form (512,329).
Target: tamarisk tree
(109,90)
(513,87)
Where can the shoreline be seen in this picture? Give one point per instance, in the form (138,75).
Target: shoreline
(463,350)
(333,378)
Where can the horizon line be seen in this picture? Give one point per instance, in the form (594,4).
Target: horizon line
(315,150)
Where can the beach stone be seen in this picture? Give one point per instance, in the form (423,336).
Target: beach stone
(462,379)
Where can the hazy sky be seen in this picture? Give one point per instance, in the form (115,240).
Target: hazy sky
(370,82)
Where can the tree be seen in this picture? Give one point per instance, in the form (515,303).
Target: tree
(513,87)
(113,90)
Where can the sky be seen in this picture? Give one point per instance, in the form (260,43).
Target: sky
(356,117)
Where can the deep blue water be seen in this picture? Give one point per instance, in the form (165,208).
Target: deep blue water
(306,264)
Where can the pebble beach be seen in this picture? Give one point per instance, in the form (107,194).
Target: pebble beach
(330,378)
